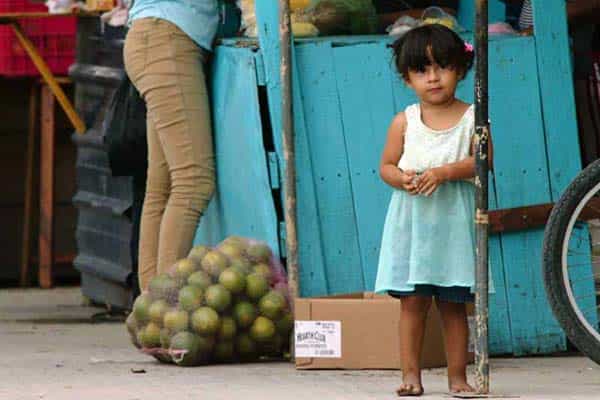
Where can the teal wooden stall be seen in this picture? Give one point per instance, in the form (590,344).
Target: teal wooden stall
(345,93)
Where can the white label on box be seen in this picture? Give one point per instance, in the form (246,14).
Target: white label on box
(318,339)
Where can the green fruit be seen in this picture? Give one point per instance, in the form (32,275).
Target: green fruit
(241,264)
(200,279)
(263,269)
(256,286)
(232,280)
(274,347)
(232,249)
(157,311)
(228,329)
(206,321)
(141,308)
(197,253)
(163,358)
(176,320)
(246,347)
(131,324)
(285,324)
(237,240)
(190,298)
(262,329)
(217,297)
(165,338)
(206,346)
(163,287)
(185,348)
(214,263)
(259,252)
(183,269)
(224,351)
(149,337)
(272,305)
(244,314)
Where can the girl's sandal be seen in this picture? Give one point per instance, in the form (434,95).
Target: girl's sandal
(409,390)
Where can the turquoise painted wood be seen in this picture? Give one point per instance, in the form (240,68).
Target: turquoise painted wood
(243,204)
(369,90)
(327,150)
(345,92)
(556,88)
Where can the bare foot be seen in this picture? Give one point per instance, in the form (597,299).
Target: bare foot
(460,385)
(411,386)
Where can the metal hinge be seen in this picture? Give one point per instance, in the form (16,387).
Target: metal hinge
(282,239)
(273,163)
(261,76)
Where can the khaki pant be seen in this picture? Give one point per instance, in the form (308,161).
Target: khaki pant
(167,68)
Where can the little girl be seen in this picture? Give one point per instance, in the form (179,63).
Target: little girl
(428,244)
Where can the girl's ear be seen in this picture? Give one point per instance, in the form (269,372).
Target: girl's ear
(407,82)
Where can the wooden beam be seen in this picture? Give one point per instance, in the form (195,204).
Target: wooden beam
(51,81)
(522,218)
(46,189)
(29,165)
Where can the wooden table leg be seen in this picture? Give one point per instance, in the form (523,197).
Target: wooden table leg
(41,65)
(46,188)
(29,165)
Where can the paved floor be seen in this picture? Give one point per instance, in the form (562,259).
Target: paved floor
(51,350)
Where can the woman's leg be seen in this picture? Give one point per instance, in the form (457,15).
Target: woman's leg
(412,331)
(166,66)
(136,55)
(174,88)
(456,338)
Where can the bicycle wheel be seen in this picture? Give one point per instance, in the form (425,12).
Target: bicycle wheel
(571,261)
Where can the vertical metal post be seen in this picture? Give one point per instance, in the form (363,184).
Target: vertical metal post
(482,130)
(287,128)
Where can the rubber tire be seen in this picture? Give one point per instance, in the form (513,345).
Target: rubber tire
(551,264)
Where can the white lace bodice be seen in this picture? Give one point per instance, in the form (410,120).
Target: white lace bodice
(426,148)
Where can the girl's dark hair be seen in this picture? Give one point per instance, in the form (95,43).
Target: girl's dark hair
(417,48)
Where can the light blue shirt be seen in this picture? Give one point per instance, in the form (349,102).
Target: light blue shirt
(199,19)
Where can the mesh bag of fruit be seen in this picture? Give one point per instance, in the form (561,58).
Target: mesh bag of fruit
(224,304)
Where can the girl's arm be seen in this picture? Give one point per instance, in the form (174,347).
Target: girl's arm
(393,150)
(464,169)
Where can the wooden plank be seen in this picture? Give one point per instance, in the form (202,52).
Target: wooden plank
(557,93)
(367,108)
(28,202)
(500,335)
(522,180)
(312,270)
(313,280)
(325,134)
(49,78)
(242,174)
(46,231)
(560,120)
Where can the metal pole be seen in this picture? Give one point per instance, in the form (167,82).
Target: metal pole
(287,128)
(482,130)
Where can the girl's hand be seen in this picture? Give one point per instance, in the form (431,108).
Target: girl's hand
(408,181)
(428,182)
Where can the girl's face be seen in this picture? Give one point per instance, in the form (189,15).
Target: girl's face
(435,85)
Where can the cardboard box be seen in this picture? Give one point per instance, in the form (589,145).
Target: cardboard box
(367,327)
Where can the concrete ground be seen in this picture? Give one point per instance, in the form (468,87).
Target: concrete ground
(52,347)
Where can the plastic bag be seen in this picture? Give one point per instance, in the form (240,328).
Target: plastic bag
(124,131)
(224,304)
(402,25)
